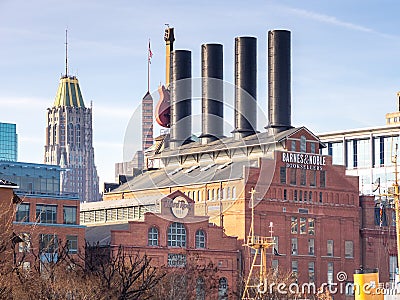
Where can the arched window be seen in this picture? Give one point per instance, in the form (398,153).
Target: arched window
(176,235)
(200,289)
(153,236)
(213,194)
(303,144)
(233,192)
(228,193)
(200,239)
(78,135)
(198,196)
(219,194)
(223,289)
(209,195)
(223,193)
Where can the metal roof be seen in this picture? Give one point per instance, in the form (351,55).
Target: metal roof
(170,177)
(69,93)
(102,234)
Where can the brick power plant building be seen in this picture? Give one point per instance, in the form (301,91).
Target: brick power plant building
(194,196)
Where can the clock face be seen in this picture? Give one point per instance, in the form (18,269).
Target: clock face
(180,207)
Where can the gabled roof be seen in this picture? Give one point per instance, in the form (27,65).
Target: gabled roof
(293,131)
(69,93)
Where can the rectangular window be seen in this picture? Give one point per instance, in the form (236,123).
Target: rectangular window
(322,179)
(72,243)
(48,246)
(282,174)
(22,214)
(276,245)
(293,177)
(300,195)
(303,177)
(320,197)
(294,247)
(176,260)
(70,215)
(293,146)
(313,177)
(355,160)
(311,247)
(295,195)
(284,194)
(25,245)
(293,225)
(312,149)
(348,249)
(275,264)
(46,213)
(330,273)
(392,267)
(311,226)
(303,226)
(295,268)
(311,271)
(329,248)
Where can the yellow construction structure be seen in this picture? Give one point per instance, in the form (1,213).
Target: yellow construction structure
(254,287)
(396,208)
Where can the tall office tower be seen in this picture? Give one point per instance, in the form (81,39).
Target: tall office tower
(8,142)
(147,121)
(69,140)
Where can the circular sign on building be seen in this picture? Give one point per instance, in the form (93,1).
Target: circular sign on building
(180,207)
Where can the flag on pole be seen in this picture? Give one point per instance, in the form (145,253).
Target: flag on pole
(150,53)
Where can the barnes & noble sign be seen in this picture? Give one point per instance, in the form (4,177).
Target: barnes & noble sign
(304,161)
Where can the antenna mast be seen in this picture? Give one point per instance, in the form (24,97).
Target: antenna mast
(66,52)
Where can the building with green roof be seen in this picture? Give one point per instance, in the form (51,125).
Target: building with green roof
(69,140)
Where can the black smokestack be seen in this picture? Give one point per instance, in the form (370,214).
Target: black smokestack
(245,86)
(279,103)
(181,93)
(212,92)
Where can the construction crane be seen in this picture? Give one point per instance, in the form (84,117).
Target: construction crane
(255,283)
(396,209)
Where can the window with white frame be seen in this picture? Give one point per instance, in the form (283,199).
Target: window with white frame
(153,236)
(176,235)
(72,242)
(200,239)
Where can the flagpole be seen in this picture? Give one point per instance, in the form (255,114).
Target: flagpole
(148,68)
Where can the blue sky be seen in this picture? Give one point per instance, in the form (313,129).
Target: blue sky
(345,65)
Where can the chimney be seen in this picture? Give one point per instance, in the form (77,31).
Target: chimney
(279,102)
(212,92)
(245,86)
(181,93)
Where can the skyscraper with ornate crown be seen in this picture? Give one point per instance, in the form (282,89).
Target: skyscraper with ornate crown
(69,140)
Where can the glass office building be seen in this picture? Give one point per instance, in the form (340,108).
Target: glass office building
(8,142)
(34,179)
(367,153)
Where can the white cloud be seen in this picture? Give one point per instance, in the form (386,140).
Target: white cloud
(335,21)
